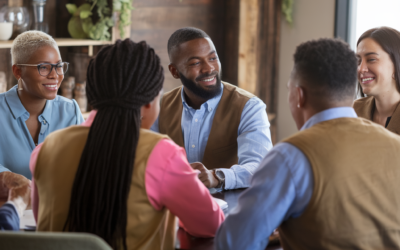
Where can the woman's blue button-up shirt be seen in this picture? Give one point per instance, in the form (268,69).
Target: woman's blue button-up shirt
(16,143)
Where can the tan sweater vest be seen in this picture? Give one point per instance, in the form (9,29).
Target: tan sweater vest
(55,172)
(222,147)
(356,200)
(365,107)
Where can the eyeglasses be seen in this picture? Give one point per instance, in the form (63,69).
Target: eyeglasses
(45,69)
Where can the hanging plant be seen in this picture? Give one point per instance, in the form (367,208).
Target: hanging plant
(124,8)
(81,24)
(287,10)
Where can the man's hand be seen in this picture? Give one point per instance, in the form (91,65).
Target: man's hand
(9,180)
(206,176)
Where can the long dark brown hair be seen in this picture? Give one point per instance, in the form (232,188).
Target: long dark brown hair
(122,78)
(389,40)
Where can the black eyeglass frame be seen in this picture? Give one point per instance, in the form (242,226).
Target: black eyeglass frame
(51,69)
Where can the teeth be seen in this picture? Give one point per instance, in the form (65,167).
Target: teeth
(367,79)
(208,80)
(51,86)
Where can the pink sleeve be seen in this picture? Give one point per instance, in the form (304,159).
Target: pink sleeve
(32,166)
(171,182)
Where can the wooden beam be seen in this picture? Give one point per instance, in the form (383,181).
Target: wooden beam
(248,23)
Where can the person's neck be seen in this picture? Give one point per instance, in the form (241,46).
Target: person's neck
(192,99)
(33,105)
(310,110)
(386,103)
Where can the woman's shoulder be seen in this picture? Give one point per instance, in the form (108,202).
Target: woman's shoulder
(363,101)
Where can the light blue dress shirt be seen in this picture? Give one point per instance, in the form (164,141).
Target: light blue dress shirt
(280,189)
(254,137)
(16,143)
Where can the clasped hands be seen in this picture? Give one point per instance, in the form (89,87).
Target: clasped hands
(16,188)
(206,176)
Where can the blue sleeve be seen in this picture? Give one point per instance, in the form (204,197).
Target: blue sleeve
(154,127)
(280,188)
(3,169)
(254,141)
(78,113)
(9,219)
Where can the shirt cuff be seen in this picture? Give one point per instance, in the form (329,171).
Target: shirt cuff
(19,211)
(230,178)
(3,169)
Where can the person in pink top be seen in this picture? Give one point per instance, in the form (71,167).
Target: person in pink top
(127,178)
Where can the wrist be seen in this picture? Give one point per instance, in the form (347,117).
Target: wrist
(220,176)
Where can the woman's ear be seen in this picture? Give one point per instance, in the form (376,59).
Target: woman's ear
(17,72)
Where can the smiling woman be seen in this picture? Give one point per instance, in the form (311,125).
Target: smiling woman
(32,109)
(378,52)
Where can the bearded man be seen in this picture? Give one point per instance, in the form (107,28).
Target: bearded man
(224,129)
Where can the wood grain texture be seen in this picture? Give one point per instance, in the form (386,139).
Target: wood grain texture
(248,27)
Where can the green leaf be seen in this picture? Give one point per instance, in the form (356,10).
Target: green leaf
(117,5)
(85,14)
(85,7)
(71,8)
(87,24)
(287,9)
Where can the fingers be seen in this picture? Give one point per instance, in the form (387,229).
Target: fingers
(21,197)
(198,166)
(13,180)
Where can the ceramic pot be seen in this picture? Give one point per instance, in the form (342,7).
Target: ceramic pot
(6,30)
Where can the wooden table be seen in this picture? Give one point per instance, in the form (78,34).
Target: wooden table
(186,241)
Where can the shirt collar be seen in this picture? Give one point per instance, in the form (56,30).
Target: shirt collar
(15,104)
(210,104)
(18,109)
(329,114)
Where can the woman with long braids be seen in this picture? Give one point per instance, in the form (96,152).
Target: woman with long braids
(112,176)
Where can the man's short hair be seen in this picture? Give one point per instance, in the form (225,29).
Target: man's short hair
(328,67)
(184,35)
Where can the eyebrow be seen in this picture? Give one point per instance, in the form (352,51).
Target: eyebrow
(196,57)
(371,53)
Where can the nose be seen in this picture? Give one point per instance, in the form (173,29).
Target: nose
(362,68)
(207,68)
(53,73)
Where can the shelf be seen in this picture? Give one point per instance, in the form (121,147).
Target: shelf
(65,42)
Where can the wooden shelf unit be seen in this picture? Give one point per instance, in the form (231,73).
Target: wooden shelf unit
(66,42)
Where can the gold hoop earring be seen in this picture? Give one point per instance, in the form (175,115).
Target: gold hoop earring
(20,81)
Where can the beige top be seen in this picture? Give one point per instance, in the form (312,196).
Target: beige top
(365,107)
(55,171)
(356,200)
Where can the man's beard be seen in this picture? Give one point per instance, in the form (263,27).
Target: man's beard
(207,92)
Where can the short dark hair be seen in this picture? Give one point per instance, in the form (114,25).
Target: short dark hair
(389,40)
(328,66)
(184,35)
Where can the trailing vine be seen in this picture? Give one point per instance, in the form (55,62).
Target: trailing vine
(287,10)
(124,7)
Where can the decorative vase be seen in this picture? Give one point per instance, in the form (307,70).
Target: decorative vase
(3,82)
(80,96)
(16,14)
(67,86)
(38,13)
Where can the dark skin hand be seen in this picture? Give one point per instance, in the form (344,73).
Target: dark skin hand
(12,181)
(206,176)
(36,89)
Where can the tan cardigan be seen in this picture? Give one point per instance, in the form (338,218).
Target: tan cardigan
(365,107)
(355,202)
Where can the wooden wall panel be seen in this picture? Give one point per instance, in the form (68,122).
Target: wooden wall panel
(154,21)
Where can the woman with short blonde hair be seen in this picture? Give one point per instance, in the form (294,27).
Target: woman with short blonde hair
(32,109)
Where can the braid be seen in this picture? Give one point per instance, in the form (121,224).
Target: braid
(122,78)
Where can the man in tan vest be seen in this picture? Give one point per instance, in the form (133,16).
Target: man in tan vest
(333,185)
(224,129)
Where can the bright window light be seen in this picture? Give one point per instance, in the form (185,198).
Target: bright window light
(374,13)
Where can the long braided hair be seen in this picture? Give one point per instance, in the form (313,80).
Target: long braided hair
(122,78)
